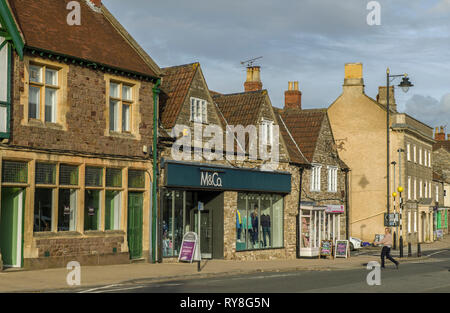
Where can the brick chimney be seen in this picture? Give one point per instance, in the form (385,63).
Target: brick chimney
(97,3)
(353,81)
(382,97)
(293,97)
(440,135)
(253,82)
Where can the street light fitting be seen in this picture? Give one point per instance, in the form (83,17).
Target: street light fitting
(405,84)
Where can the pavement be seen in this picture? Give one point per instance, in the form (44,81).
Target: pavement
(93,276)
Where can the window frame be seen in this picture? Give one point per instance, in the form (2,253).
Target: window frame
(198,110)
(316,177)
(121,102)
(332,178)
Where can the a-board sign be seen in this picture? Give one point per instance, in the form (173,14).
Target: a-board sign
(341,249)
(326,248)
(188,247)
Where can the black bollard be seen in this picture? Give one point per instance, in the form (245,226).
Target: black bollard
(401,246)
(409,250)
(419,253)
(395,241)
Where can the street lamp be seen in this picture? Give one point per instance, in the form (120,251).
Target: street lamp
(405,85)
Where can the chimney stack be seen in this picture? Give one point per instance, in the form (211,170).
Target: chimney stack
(293,97)
(354,81)
(94,3)
(382,97)
(440,135)
(253,82)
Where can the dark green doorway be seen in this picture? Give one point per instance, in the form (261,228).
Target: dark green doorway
(135,224)
(11,226)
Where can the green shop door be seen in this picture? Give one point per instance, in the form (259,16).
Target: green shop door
(11,226)
(135,224)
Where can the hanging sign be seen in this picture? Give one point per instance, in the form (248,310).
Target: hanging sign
(391,219)
(341,249)
(188,247)
(201,206)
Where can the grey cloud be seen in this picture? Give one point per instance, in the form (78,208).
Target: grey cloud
(429,110)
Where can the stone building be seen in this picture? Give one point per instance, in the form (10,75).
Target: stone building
(76,125)
(359,124)
(248,206)
(324,182)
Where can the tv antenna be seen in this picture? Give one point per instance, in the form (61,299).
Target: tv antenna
(249,63)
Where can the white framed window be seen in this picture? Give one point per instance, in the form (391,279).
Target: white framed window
(409,187)
(415,154)
(408,152)
(415,188)
(267,132)
(429,159)
(415,221)
(409,221)
(332,178)
(426,189)
(199,110)
(437,193)
(43,93)
(420,189)
(315,177)
(429,190)
(420,156)
(120,106)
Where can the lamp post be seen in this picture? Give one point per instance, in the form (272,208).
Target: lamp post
(394,195)
(400,190)
(405,85)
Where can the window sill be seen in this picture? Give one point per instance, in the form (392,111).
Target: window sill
(38,123)
(57,234)
(122,135)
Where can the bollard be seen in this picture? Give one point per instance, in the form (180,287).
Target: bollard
(401,246)
(419,253)
(409,250)
(198,266)
(395,241)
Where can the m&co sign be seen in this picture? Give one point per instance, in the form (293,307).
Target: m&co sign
(210,179)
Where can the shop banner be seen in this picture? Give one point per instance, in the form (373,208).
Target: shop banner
(335,209)
(188,247)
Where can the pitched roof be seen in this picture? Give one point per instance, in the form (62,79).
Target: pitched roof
(442,144)
(99,38)
(304,126)
(294,151)
(174,89)
(241,108)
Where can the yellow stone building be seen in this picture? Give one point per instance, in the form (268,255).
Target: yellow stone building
(359,126)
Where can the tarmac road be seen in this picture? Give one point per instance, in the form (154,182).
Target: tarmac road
(420,276)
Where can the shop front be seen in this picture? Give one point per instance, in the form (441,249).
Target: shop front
(318,223)
(203,198)
(440,222)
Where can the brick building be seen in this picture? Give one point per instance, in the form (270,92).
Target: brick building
(323,210)
(76,125)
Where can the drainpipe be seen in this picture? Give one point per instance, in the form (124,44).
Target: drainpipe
(347,209)
(156,92)
(298,211)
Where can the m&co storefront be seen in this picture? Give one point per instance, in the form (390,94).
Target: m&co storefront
(241,209)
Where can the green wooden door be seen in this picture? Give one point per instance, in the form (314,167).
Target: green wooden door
(135,224)
(11,226)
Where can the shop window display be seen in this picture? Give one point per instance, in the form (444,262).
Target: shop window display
(172,226)
(43,205)
(67,211)
(259,221)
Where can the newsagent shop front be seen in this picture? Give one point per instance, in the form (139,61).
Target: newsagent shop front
(241,209)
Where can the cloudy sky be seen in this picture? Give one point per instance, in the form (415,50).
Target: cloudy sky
(303,40)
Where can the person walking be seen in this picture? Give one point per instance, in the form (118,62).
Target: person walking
(386,251)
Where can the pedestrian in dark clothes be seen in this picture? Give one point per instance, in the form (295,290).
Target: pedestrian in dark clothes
(386,251)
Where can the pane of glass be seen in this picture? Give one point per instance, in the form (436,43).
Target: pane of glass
(43,203)
(68,175)
(67,210)
(127,93)
(51,77)
(114,115)
(113,177)
(94,176)
(50,105)
(112,210)
(34,100)
(14,172)
(204,111)
(306,222)
(114,90)
(178,222)
(126,118)
(241,223)
(166,222)
(35,74)
(198,111)
(92,210)
(266,221)
(136,179)
(45,173)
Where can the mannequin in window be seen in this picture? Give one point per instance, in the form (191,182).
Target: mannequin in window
(265,224)
(238,225)
(254,217)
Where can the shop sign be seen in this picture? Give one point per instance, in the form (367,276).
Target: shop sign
(201,206)
(439,233)
(341,249)
(209,179)
(188,247)
(391,219)
(326,248)
(335,209)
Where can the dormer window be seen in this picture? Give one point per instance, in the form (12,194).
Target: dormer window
(267,132)
(199,111)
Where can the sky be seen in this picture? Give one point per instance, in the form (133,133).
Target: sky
(308,41)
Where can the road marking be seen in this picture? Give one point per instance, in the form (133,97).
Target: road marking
(93,289)
(120,289)
(437,252)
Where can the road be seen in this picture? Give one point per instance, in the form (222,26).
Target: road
(421,276)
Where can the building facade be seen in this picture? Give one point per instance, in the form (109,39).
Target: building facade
(75,175)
